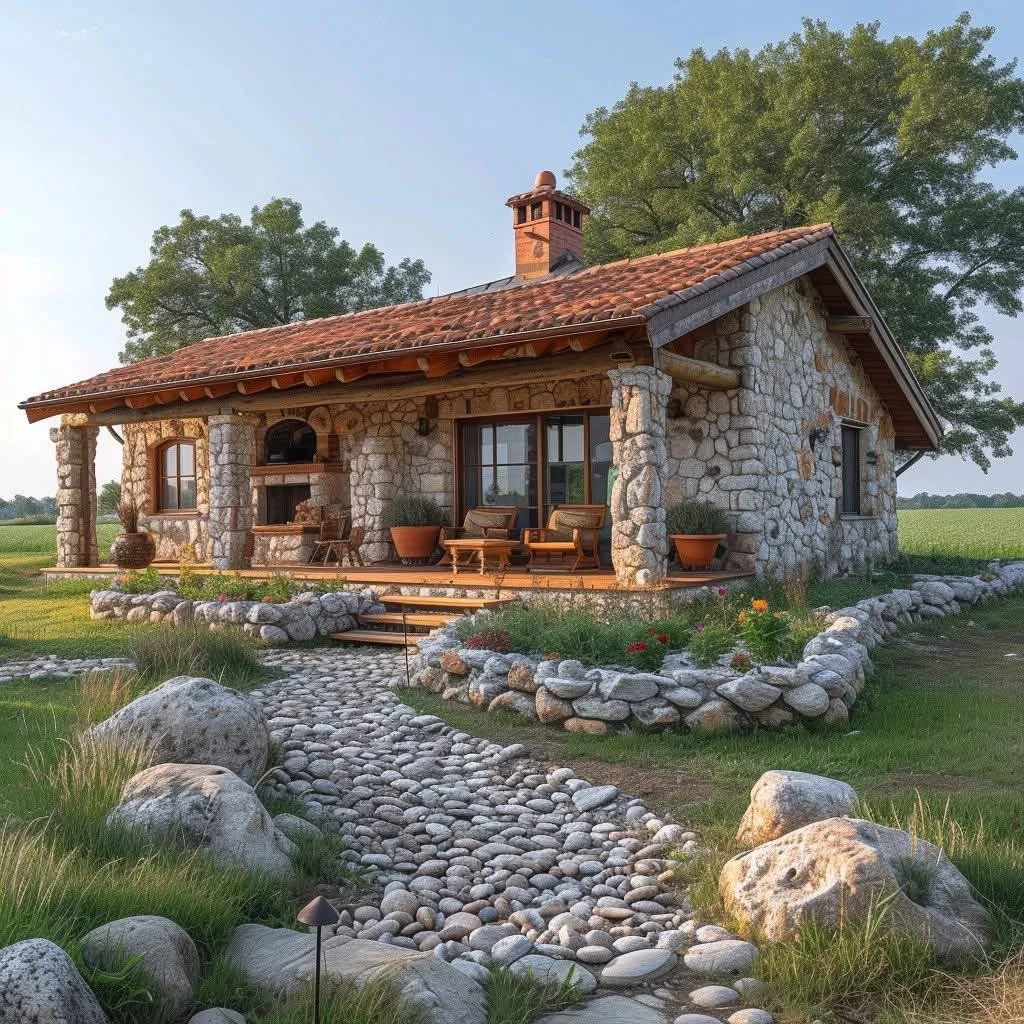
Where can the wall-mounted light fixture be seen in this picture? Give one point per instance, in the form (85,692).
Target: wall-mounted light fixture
(425,424)
(819,435)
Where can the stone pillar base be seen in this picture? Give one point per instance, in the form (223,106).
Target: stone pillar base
(638,416)
(231,445)
(76,495)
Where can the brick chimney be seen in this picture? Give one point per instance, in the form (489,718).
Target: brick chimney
(548,227)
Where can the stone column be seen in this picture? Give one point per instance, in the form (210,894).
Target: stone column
(231,444)
(376,479)
(76,495)
(638,414)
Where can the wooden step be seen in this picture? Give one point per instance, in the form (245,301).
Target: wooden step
(410,600)
(431,619)
(375,636)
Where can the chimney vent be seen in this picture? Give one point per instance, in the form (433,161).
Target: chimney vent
(548,228)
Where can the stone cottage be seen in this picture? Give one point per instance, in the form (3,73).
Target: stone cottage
(755,373)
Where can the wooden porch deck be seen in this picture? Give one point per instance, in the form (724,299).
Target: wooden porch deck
(515,578)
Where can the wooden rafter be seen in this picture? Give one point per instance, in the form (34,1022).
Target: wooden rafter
(685,370)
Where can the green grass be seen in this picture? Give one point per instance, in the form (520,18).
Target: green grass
(968,532)
(935,745)
(42,540)
(521,998)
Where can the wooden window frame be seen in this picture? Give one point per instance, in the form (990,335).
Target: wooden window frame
(157,476)
(537,416)
(856,430)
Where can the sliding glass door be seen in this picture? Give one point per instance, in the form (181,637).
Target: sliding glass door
(535,462)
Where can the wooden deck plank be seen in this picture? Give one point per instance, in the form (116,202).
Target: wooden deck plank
(373,636)
(430,619)
(414,600)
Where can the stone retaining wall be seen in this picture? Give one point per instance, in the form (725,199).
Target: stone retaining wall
(823,686)
(304,617)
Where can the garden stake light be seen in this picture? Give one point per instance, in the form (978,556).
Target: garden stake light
(318,913)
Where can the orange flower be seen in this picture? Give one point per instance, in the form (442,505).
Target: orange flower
(759,604)
(742,617)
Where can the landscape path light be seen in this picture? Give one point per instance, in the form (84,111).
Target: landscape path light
(318,914)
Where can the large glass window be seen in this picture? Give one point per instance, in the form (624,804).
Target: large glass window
(565,456)
(176,487)
(499,467)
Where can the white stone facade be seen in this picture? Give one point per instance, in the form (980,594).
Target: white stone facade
(232,446)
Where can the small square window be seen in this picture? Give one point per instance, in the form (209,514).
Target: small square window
(536,211)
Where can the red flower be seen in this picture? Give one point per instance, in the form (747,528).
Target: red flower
(663,638)
(722,591)
(638,647)
(222,597)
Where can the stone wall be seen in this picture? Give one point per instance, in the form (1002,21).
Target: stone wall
(749,449)
(76,495)
(173,530)
(303,618)
(823,686)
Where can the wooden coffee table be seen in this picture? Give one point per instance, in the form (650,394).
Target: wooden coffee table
(483,547)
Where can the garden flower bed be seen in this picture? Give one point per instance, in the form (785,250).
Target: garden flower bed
(744,680)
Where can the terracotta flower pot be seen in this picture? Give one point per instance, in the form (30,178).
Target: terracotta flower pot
(414,542)
(133,550)
(696,550)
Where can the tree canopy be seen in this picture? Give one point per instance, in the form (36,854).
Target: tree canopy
(209,276)
(109,498)
(886,138)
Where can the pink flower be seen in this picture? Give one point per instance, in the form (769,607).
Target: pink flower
(222,597)
(699,627)
(722,591)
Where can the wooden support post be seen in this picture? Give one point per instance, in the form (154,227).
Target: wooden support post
(685,370)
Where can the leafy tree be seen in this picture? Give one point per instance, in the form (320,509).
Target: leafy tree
(210,276)
(109,496)
(887,139)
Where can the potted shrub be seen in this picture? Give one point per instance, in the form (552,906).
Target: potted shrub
(415,525)
(132,548)
(696,528)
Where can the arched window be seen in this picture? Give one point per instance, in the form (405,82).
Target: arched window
(289,442)
(176,484)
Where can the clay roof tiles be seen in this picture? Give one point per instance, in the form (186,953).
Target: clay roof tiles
(631,289)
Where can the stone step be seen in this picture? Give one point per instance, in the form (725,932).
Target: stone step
(376,636)
(456,603)
(431,619)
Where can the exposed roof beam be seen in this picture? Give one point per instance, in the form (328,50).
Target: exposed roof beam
(849,324)
(685,370)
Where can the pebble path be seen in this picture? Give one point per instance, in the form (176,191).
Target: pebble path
(481,855)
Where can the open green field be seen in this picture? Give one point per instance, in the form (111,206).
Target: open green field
(964,532)
(25,540)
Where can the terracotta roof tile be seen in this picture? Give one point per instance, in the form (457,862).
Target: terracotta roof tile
(609,292)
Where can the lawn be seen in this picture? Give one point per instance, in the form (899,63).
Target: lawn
(968,532)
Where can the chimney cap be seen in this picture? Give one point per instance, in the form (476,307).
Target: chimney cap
(545,180)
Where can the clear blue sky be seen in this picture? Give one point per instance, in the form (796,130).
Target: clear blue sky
(403,123)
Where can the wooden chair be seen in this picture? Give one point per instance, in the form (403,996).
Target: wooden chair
(327,543)
(497,521)
(572,530)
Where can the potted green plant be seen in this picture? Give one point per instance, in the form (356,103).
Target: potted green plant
(696,528)
(415,525)
(132,548)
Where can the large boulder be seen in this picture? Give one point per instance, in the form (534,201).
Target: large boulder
(783,801)
(211,809)
(167,957)
(282,961)
(191,720)
(39,984)
(842,870)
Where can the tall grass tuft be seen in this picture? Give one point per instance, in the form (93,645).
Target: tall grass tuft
(522,998)
(862,965)
(224,655)
(997,998)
